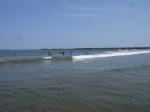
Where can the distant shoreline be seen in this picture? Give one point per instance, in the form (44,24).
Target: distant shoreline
(109,48)
(102,48)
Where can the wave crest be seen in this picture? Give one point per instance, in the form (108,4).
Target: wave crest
(110,54)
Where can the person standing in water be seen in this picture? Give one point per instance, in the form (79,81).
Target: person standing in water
(63,53)
(71,52)
(49,53)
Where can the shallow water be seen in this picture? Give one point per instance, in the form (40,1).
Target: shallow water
(114,84)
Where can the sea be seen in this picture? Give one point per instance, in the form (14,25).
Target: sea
(75,80)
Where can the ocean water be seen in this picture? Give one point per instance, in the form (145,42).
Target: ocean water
(84,80)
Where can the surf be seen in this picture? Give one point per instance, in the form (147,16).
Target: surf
(110,54)
(82,56)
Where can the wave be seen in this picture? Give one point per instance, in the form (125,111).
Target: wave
(57,58)
(17,60)
(110,54)
(20,60)
(47,58)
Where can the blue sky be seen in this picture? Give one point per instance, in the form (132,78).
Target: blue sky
(28,24)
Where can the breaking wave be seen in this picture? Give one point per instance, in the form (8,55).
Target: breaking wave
(77,57)
(47,58)
(110,54)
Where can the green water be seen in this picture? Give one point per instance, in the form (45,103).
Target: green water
(115,84)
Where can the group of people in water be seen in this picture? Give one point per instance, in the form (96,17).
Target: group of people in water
(61,52)
(49,53)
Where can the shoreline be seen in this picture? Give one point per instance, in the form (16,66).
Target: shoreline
(103,48)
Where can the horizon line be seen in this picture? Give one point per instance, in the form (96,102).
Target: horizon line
(135,47)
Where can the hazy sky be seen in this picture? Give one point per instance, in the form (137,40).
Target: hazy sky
(28,24)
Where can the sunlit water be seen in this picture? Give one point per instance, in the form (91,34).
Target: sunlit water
(101,84)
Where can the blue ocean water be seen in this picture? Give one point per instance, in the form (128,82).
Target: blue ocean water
(82,81)
(32,55)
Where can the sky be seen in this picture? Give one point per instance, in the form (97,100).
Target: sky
(34,24)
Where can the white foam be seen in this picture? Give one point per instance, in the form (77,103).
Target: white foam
(111,54)
(48,57)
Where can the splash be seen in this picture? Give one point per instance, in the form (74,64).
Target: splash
(110,54)
(47,58)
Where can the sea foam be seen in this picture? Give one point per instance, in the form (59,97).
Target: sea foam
(110,54)
(46,58)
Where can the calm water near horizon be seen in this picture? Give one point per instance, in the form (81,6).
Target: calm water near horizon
(100,81)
